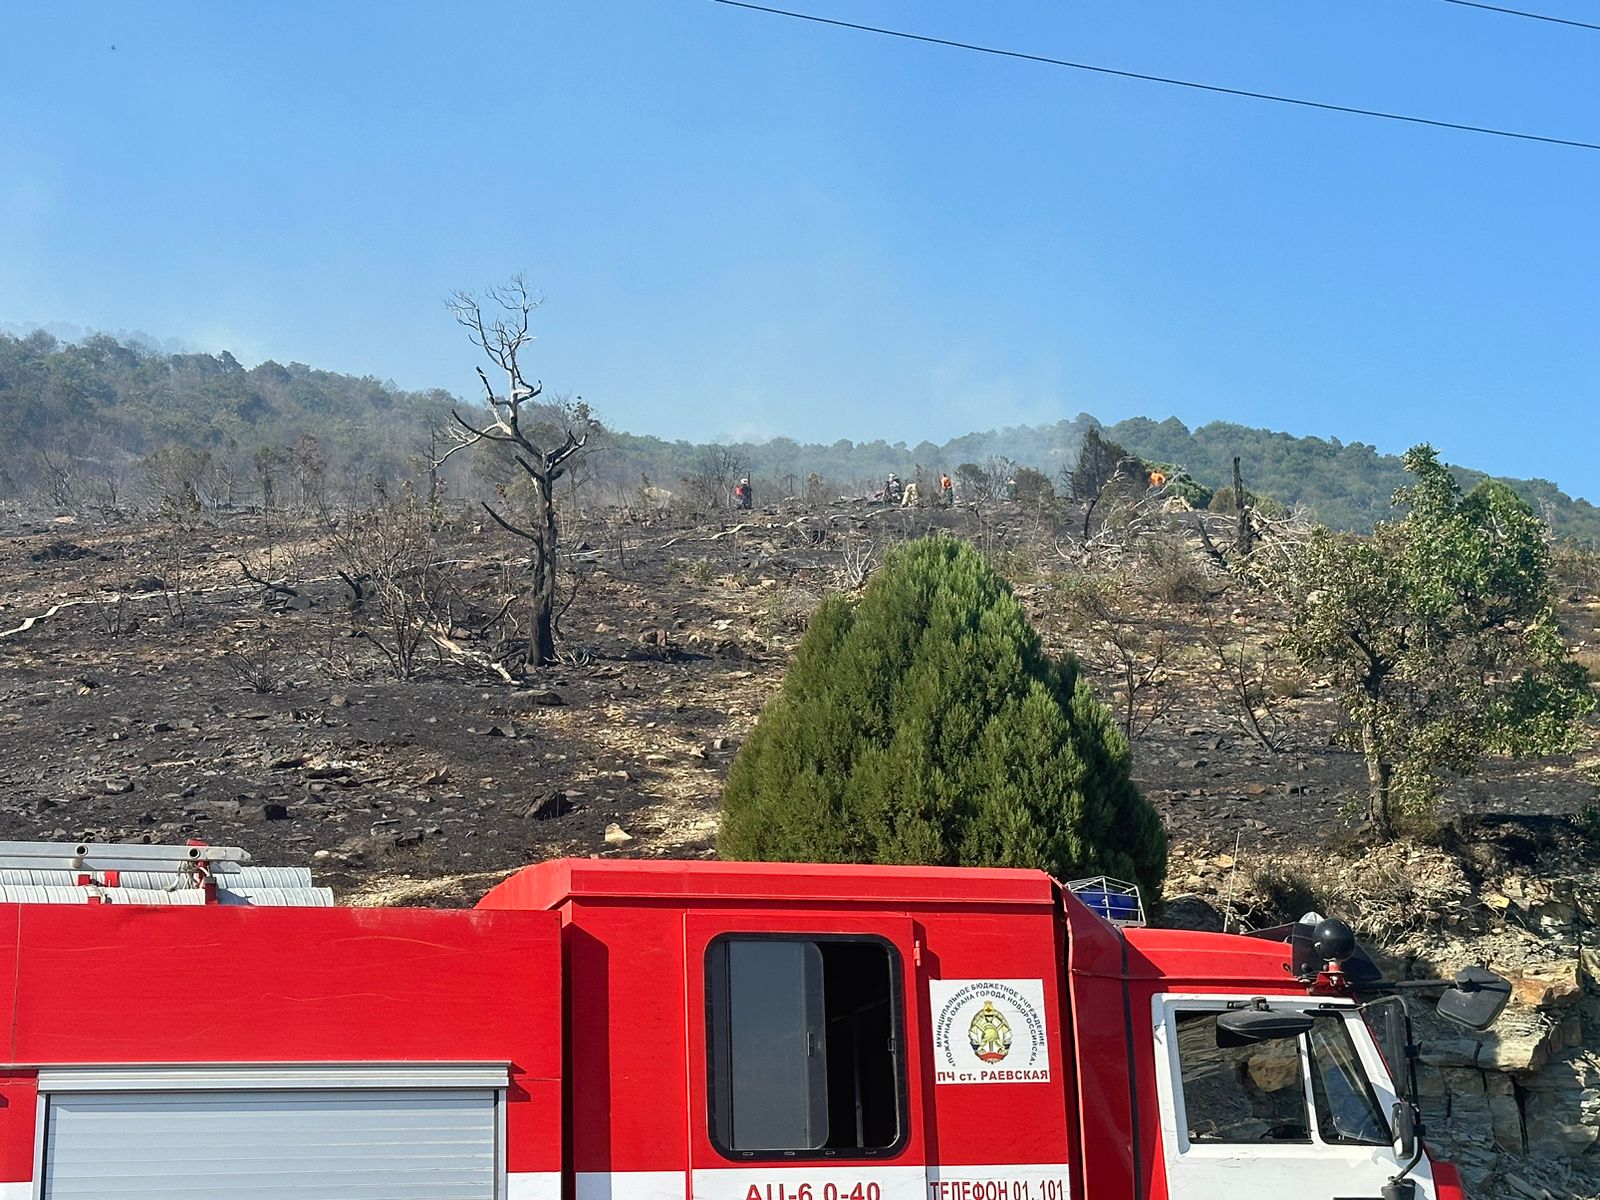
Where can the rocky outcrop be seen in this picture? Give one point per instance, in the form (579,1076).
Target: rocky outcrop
(1517,1109)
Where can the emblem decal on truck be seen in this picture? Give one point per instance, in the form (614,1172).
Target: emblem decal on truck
(990,1034)
(989,1031)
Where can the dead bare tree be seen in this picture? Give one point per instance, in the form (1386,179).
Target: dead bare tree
(388,562)
(309,467)
(998,469)
(434,437)
(110,480)
(266,462)
(174,477)
(1125,526)
(1252,545)
(502,337)
(1244,537)
(1137,659)
(175,590)
(1124,649)
(113,618)
(1247,679)
(56,480)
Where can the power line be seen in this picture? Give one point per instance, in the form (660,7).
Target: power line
(1183,83)
(1517,12)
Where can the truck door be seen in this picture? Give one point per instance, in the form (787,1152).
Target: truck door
(1304,1116)
(802,1057)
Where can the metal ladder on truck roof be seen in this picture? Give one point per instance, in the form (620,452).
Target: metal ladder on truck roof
(116,873)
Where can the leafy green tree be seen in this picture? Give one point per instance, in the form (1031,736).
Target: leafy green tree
(1439,636)
(924,723)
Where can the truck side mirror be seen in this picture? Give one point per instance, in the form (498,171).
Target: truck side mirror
(1476,999)
(1246,1027)
(1405,1127)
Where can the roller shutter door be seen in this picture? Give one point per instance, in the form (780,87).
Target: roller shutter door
(369,1144)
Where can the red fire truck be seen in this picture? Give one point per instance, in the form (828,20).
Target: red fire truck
(185,1025)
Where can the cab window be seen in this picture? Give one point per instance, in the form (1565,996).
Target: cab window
(1251,1093)
(1259,1093)
(803,1047)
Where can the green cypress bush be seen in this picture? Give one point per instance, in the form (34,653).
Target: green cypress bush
(924,723)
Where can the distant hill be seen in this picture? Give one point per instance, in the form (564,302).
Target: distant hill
(1346,485)
(98,405)
(103,404)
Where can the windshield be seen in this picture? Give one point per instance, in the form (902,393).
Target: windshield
(1386,1020)
(1347,1110)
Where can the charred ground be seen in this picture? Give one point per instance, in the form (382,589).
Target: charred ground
(161,694)
(150,690)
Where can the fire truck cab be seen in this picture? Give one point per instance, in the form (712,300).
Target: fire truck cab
(652,1030)
(779,1032)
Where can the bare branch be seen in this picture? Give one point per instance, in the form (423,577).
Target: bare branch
(442,639)
(467,312)
(486,434)
(436,463)
(521,389)
(281,589)
(556,457)
(499,616)
(1209,546)
(508,526)
(358,594)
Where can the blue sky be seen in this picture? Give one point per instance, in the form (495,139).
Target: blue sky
(749,226)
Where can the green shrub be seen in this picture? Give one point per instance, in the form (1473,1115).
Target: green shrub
(924,723)
(1181,483)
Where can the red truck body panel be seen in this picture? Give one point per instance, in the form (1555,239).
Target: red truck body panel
(128,985)
(594,983)
(637,934)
